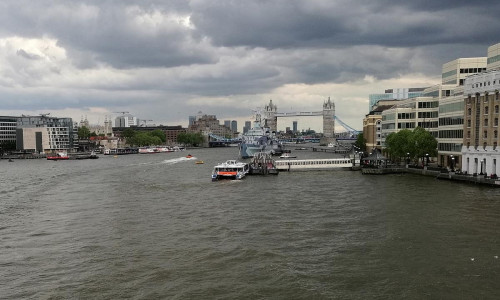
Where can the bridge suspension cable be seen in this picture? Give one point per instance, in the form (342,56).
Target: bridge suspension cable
(347,127)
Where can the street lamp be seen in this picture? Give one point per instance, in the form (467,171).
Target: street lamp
(426,159)
(452,163)
(407,158)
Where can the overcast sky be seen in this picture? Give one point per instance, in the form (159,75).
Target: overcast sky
(166,60)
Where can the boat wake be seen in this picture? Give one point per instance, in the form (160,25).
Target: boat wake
(177,160)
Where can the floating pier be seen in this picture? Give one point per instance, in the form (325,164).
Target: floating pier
(316,164)
(263,164)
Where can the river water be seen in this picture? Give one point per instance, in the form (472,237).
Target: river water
(156,227)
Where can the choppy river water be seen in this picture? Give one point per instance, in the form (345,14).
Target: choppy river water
(156,227)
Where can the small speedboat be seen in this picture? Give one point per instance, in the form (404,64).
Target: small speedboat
(287,155)
(199,162)
(189,156)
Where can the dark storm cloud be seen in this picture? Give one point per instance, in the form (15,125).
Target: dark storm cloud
(122,52)
(285,23)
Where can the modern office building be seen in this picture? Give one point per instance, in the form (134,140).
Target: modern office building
(8,127)
(248,125)
(450,137)
(455,71)
(126,120)
(414,112)
(191,120)
(394,94)
(227,123)
(295,126)
(493,60)
(44,133)
(234,126)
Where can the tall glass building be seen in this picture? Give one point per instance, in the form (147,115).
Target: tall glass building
(395,94)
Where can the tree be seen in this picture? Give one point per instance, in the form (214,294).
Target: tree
(83,133)
(188,138)
(128,133)
(412,144)
(160,134)
(360,142)
(424,143)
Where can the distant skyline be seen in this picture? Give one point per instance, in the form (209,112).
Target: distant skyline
(167,60)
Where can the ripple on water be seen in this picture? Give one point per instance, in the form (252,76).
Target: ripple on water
(157,227)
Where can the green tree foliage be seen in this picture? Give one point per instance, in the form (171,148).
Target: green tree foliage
(189,138)
(141,138)
(360,142)
(424,143)
(412,144)
(160,134)
(128,133)
(83,133)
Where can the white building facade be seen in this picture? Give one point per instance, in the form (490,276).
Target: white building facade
(482,113)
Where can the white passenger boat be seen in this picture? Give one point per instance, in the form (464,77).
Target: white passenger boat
(148,150)
(287,155)
(315,164)
(231,169)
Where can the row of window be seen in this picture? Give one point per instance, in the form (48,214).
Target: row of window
(450,147)
(427,114)
(493,59)
(464,71)
(451,121)
(495,122)
(405,125)
(388,117)
(404,116)
(451,107)
(485,134)
(428,104)
(484,147)
(480,84)
(472,70)
(388,126)
(451,134)
(486,110)
(485,122)
(432,124)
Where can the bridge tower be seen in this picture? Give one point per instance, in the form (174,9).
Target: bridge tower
(328,122)
(270,118)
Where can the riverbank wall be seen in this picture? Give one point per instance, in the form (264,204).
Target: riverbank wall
(434,173)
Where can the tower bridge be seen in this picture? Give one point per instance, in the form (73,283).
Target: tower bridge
(271,116)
